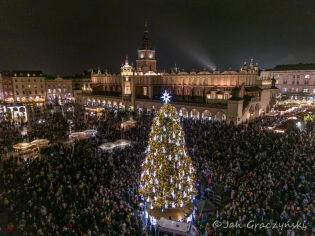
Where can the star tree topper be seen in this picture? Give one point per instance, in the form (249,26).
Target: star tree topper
(166,97)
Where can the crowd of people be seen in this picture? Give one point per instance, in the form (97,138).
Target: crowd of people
(266,177)
(76,189)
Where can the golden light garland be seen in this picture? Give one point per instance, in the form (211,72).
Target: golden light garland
(167,172)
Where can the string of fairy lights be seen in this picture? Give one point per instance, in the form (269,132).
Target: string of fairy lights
(167,172)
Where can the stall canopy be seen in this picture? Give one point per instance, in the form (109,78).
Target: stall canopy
(84,134)
(121,143)
(40,143)
(90,133)
(23,146)
(128,124)
(77,135)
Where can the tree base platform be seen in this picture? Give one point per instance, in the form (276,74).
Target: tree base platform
(172,213)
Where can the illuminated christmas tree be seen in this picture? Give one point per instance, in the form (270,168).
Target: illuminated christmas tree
(167,172)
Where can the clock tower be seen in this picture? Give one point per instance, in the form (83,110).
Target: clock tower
(146,55)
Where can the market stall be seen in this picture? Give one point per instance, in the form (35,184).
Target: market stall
(40,143)
(24,147)
(77,135)
(128,124)
(90,133)
(109,146)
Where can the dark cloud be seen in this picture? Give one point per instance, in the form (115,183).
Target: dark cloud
(71,36)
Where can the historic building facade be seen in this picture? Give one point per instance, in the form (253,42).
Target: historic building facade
(295,81)
(6,92)
(23,86)
(60,89)
(195,94)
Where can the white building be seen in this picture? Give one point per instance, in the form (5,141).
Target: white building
(295,81)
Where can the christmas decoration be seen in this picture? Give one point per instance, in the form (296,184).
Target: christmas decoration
(166,97)
(167,172)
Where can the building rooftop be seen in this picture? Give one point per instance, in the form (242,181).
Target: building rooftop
(23,73)
(300,66)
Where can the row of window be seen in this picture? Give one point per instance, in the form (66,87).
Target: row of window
(59,86)
(29,86)
(296,76)
(29,80)
(305,76)
(59,90)
(296,82)
(29,92)
(305,90)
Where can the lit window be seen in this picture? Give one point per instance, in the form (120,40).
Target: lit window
(145,91)
(284,90)
(307,76)
(313,90)
(305,90)
(49,90)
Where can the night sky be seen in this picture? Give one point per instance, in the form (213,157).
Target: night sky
(64,37)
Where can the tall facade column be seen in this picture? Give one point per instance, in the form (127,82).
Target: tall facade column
(150,91)
(234,111)
(133,92)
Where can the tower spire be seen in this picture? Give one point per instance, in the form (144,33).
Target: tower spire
(146,25)
(146,42)
(126,60)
